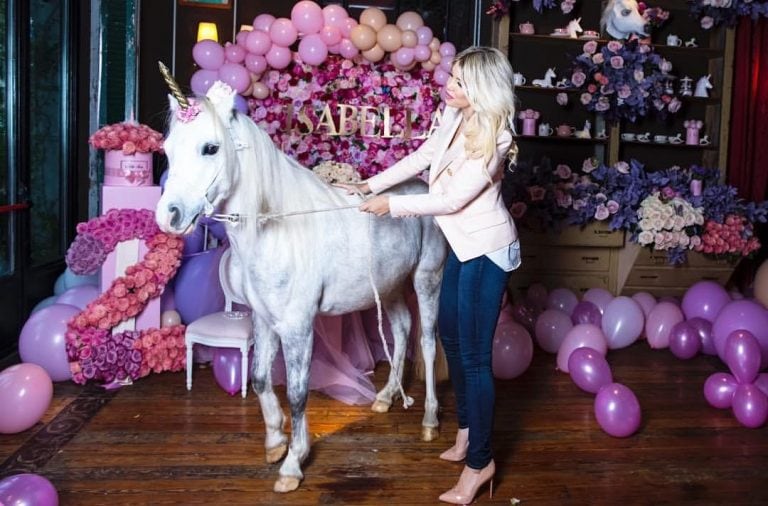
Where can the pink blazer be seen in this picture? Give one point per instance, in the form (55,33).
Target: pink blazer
(467,207)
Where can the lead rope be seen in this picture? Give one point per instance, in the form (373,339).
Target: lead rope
(263,218)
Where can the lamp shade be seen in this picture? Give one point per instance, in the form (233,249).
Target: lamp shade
(207,31)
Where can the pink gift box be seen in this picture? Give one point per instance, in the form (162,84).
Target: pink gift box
(130,197)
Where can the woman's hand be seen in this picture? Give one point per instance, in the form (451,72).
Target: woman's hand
(378,205)
(354,188)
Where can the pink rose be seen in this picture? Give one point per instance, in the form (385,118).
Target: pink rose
(590,47)
(578,78)
(617,62)
(601,212)
(707,22)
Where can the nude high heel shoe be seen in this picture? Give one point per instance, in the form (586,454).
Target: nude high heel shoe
(469,483)
(458,451)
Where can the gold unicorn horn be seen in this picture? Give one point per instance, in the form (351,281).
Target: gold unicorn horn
(173,85)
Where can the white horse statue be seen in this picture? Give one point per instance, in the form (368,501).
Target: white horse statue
(547,81)
(574,28)
(702,85)
(622,18)
(295,267)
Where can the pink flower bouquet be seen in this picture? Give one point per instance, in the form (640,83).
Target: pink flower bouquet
(130,138)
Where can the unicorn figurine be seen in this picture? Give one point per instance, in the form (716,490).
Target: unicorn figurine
(584,133)
(574,28)
(547,81)
(702,85)
(622,18)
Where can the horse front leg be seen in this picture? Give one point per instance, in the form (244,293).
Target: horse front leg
(400,321)
(264,351)
(297,350)
(427,286)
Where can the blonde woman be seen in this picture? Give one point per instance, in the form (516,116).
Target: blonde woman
(467,156)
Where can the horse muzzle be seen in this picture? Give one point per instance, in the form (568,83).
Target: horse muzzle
(176,218)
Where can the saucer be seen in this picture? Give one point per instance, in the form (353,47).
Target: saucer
(660,141)
(642,140)
(555,34)
(676,141)
(589,37)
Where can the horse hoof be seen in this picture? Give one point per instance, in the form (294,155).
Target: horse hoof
(286,484)
(380,406)
(429,433)
(276,454)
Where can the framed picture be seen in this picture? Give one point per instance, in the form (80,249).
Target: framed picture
(218,4)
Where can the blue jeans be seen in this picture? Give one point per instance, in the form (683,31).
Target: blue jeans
(470,301)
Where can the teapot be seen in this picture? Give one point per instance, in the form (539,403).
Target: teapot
(526,28)
(564,130)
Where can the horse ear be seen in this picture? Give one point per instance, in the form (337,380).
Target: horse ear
(222,96)
(173,103)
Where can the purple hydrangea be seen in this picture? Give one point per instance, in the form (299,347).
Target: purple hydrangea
(86,254)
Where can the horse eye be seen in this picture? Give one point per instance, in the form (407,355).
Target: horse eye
(210,149)
(626,12)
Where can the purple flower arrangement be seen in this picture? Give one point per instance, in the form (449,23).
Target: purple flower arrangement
(539,196)
(500,8)
(623,80)
(726,12)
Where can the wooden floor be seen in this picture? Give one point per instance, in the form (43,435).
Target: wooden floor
(155,443)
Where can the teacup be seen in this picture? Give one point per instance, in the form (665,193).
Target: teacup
(661,139)
(518,78)
(674,40)
(627,136)
(545,130)
(527,28)
(560,31)
(564,130)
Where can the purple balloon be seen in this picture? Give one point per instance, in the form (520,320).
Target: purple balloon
(622,322)
(241,104)
(586,312)
(227,368)
(742,354)
(742,315)
(646,301)
(617,410)
(208,54)
(236,76)
(762,382)
(704,330)
(26,391)
(684,341)
(583,335)
(42,340)
(704,299)
(28,489)
(750,406)
(202,80)
(670,299)
(537,295)
(600,297)
(197,289)
(424,35)
(551,328)
(79,296)
(258,42)
(525,315)
(234,53)
(512,350)
(563,299)
(589,369)
(719,389)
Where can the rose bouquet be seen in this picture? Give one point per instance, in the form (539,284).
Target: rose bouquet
(539,196)
(128,137)
(668,222)
(501,7)
(716,12)
(623,80)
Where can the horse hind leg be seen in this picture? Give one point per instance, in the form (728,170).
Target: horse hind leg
(426,282)
(297,350)
(400,321)
(264,351)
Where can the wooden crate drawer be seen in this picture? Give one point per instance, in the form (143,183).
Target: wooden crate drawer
(566,258)
(647,257)
(578,282)
(675,276)
(656,291)
(596,234)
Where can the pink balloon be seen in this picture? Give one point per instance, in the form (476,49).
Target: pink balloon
(447,49)
(446,63)
(79,296)
(600,297)
(278,57)
(236,76)
(561,298)
(282,32)
(234,53)
(617,410)
(42,340)
(536,294)
(421,53)
(512,350)
(646,301)
(424,33)
(26,391)
(330,35)
(622,322)
(307,17)
(334,15)
(551,328)
(241,37)
(347,49)
(658,326)
(584,335)
(347,26)
(704,299)
(312,49)
(440,76)
(208,54)
(258,42)
(202,80)
(719,389)
(589,369)
(684,341)
(742,315)
(263,22)
(750,406)
(742,354)
(403,56)
(255,63)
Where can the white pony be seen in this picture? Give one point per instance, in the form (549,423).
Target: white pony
(547,81)
(622,18)
(295,267)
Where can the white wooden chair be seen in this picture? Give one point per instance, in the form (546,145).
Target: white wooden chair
(224,329)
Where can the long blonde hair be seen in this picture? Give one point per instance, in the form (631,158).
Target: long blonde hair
(489,86)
